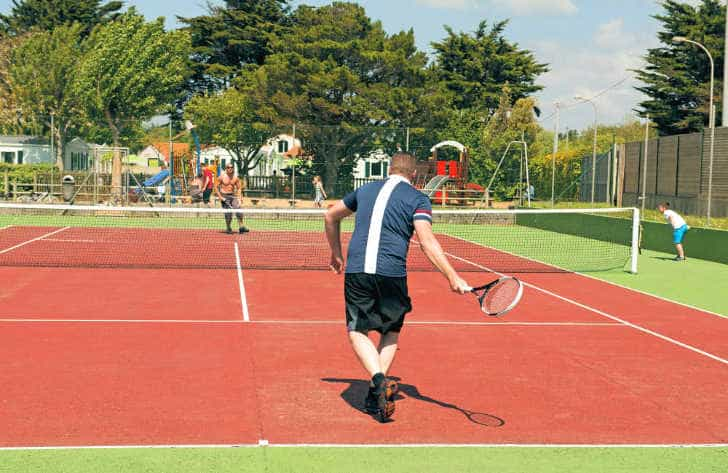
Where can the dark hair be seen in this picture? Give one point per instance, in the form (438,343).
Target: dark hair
(664,204)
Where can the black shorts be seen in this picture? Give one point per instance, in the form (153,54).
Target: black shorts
(206,195)
(375,302)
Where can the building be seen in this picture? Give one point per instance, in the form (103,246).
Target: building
(375,165)
(25,150)
(78,155)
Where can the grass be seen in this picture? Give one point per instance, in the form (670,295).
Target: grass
(365,460)
(695,282)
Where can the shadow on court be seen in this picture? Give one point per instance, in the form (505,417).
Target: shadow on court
(356,391)
(664,258)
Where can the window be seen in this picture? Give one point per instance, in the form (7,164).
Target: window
(79,161)
(376,169)
(385,167)
(282,146)
(20,157)
(367,169)
(8,157)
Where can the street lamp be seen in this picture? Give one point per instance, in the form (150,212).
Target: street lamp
(711,119)
(556,150)
(594,147)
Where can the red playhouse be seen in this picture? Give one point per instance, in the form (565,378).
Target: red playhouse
(446,181)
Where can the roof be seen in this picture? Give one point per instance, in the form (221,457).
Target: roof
(23,140)
(179,149)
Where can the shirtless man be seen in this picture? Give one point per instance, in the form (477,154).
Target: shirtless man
(228,191)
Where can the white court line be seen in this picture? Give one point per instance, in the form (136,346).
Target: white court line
(241,285)
(122,321)
(34,239)
(604,314)
(60,240)
(454,323)
(262,444)
(310,322)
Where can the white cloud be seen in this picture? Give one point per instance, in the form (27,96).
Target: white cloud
(521,7)
(524,7)
(587,70)
(611,35)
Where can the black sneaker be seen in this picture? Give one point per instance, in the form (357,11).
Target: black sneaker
(243,230)
(229,231)
(679,258)
(370,403)
(384,394)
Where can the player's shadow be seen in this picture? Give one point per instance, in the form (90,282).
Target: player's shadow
(356,391)
(664,258)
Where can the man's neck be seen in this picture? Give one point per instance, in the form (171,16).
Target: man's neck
(400,176)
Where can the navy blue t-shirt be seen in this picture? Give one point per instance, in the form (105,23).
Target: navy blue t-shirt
(385,215)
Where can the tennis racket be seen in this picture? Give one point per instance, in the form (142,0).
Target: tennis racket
(500,296)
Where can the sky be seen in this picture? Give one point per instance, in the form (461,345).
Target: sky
(589,45)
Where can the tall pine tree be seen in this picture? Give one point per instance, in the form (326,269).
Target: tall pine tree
(677,76)
(232,36)
(47,14)
(476,66)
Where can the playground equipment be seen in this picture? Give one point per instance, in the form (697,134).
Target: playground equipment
(523,159)
(445,181)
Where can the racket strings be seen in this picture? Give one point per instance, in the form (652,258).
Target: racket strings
(500,297)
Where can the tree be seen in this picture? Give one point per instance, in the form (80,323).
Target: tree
(346,84)
(677,77)
(41,75)
(47,14)
(130,70)
(231,37)
(9,118)
(475,67)
(228,119)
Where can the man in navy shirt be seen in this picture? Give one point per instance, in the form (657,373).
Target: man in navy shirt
(375,286)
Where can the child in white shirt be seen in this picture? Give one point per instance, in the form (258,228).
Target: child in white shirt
(679,228)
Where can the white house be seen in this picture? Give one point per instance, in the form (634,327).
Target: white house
(25,150)
(375,165)
(273,154)
(79,155)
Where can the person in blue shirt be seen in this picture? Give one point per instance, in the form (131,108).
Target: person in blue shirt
(375,283)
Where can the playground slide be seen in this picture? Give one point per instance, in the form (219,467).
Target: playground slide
(434,185)
(156,179)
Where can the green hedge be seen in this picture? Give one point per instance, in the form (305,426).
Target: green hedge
(701,243)
(21,173)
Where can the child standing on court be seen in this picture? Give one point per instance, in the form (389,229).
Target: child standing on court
(679,228)
(320,192)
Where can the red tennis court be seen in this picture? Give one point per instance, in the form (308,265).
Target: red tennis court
(155,356)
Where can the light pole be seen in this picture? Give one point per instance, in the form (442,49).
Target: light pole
(594,147)
(711,119)
(724,115)
(556,150)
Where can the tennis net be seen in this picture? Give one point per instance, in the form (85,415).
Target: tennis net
(508,241)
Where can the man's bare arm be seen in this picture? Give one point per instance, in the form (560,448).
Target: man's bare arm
(333,219)
(432,249)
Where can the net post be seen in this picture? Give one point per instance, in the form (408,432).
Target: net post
(635,239)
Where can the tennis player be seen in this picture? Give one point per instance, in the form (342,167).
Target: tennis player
(228,191)
(375,283)
(679,228)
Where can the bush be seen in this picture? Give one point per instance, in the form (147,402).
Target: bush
(21,173)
